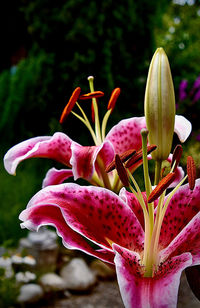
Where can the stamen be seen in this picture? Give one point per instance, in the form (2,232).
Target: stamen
(114,96)
(138,156)
(72,101)
(124,156)
(92,113)
(121,171)
(176,155)
(162,185)
(191,172)
(94,94)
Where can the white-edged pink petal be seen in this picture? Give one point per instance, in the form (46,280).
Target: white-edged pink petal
(126,134)
(83,159)
(188,240)
(142,292)
(182,127)
(96,213)
(35,217)
(183,206)
(56,147)
(54,176)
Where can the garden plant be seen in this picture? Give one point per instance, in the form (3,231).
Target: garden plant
(149,236)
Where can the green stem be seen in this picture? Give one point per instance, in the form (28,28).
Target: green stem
(157,171)
(87,124)
(147,181)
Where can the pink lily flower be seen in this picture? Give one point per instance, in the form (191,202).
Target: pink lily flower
(89,162)
(149,237)
(116,224)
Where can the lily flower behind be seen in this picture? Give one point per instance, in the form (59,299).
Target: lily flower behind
(90,162)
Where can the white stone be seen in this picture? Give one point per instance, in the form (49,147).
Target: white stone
(30,293)
(77,275)
(52,282)
(25,276)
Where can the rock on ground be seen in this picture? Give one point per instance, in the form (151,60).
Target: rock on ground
(106,295)
(30,293)
(52,282)
(77,275)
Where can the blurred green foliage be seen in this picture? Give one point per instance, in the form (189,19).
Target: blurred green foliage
(8,290)
(67,41)
(24,93)
(180,37)
(15,192)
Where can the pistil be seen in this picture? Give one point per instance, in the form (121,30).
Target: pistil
(96,112)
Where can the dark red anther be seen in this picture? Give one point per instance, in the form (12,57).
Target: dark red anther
(162,185)
(121,171)
(92,113)
(72,101)
(113,98)
(95,94)
(191,172)
(138,156)
(177,155)
(124,156)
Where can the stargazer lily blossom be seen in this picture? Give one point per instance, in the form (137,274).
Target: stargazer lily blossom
(149,236)
(90,162)
(148,251)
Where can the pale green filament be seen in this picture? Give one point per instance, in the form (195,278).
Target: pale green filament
(87,124)
(104,123)
(104,174)
(152,262)
(96,112)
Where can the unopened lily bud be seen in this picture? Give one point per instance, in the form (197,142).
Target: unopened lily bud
(160,105)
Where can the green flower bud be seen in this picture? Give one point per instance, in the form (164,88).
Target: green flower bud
(160,105)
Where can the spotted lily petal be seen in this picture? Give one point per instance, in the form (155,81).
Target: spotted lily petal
(133,203)
(142,292)
(83,159)
(54,176)
(57,147)
(36,216)
(187,240)
(96,213)
(183,206)
(126,134)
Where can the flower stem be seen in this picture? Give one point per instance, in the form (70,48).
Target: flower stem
(157,171)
